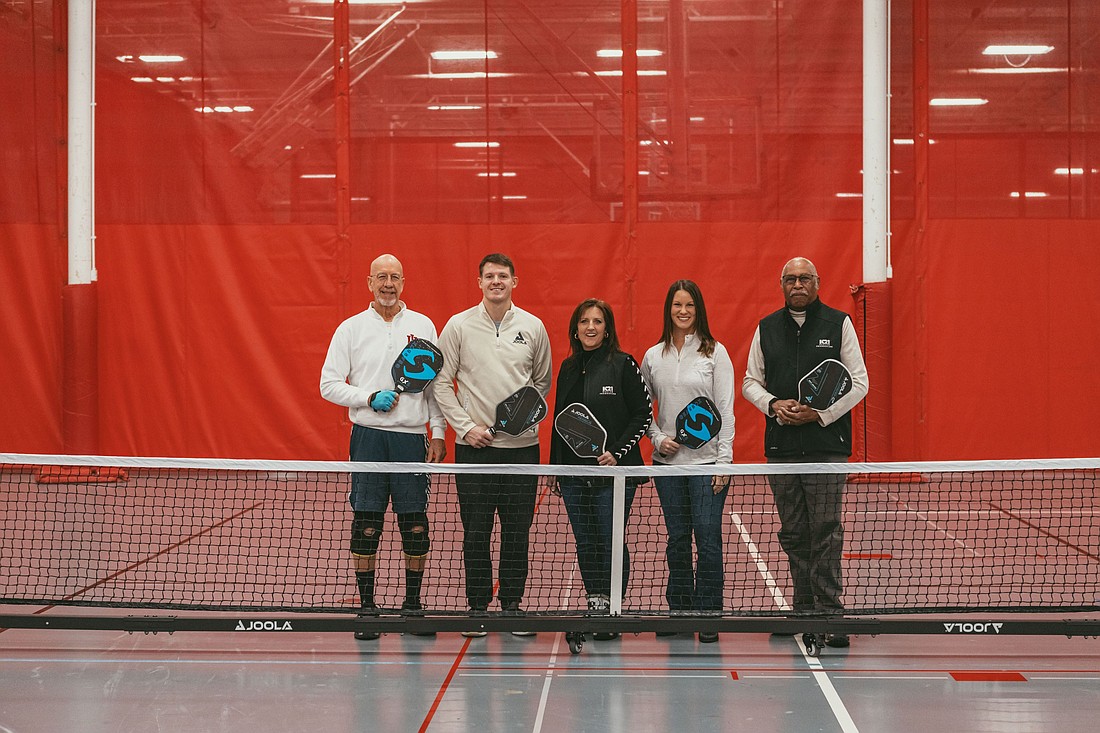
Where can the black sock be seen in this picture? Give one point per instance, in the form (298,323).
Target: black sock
(413,580)
(365,580)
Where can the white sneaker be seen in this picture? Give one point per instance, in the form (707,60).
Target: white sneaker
(523,633)
(598,603)
(475,634)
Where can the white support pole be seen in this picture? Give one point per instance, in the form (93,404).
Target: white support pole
(81,142)
(876,140)
(618,534)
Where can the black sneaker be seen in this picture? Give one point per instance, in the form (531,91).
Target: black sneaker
(512,609)
(837,641)
(476,612)
(413,608)
(367,611)
(708,637)
(605,635)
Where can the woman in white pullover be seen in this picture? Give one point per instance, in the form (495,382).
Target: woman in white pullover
(688,363)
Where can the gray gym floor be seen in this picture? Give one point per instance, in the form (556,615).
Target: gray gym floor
(64,680)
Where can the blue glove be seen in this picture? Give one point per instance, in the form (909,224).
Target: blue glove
(383,401)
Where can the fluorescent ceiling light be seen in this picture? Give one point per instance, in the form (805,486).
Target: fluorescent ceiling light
(1030,194)
(641,72)
(453,107)
(166,79)
(910,141)
(361,2)
(489,144)
(495,174)
(697,119)
(142,79)
(1069,171)
(957,102)
(463,75)
(617,53)
(161,59)
(848,195)
(224,109)
(1021,70)
(463,55)
(514,198)
(1016,50)
(317,175)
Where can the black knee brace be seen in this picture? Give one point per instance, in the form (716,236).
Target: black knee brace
(414,533)
(366,533)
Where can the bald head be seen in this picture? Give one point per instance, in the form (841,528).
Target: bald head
(801,263)
(385,261)
(799,281)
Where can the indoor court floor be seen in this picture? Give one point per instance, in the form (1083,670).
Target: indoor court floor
(117,682)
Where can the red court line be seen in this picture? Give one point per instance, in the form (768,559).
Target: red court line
(1051,535)
(443,688)
(462,652)
(988,677)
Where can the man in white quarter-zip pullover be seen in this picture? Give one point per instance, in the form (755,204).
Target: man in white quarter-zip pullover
(490,351)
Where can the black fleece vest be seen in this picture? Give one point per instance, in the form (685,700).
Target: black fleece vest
(790,353)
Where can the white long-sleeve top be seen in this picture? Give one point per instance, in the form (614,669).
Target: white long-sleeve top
(358,363)
(674,379)
(754,389)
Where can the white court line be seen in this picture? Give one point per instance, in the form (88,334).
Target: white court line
(499,674)
(835,703)
(552,662)
(761,566)
(924,516)
(890,677)
(645,676)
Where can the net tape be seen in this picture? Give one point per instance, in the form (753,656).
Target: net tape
(273,535)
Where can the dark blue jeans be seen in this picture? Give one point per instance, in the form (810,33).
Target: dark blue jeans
(589,503)
(691,507)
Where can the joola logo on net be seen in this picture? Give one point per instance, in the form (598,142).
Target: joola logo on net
(264,626)
(968,628)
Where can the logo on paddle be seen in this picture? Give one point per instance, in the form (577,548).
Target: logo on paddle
(418,363)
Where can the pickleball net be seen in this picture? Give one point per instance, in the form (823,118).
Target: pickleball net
(236,535)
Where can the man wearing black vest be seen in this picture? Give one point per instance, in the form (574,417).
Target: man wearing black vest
(788,344)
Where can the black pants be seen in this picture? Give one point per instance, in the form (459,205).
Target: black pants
(480,496)
(811,533)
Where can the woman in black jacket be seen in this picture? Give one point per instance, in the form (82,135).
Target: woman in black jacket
(607,380)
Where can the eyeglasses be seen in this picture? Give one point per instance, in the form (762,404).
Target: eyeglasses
(383,278)
(803,279)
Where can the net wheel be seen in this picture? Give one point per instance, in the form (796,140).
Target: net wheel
(812,643)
